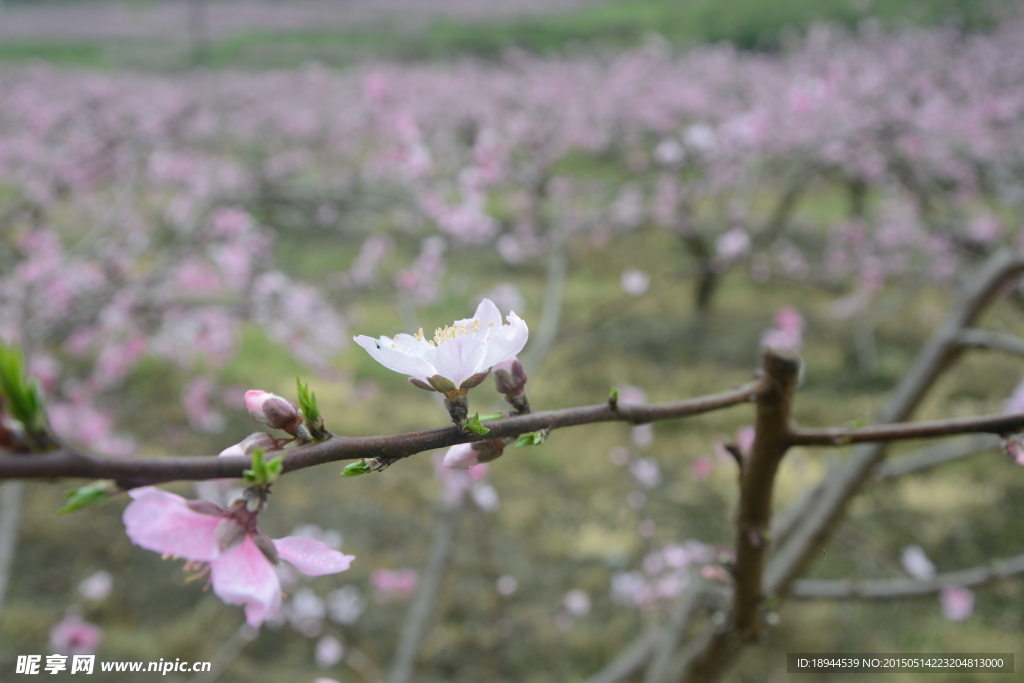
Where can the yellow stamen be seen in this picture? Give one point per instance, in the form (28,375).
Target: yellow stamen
(456,330)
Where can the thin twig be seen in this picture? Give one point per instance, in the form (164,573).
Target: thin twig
(227,654)
(11,494)
(679,620)
(991,340)
(936,454)
(417,620)
(631,659)
(554,293)
(69,462)
(841,436)
(886,589)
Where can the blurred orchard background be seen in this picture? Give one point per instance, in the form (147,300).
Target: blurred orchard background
(202,197)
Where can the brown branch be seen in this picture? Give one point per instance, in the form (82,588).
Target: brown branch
(843,482)
(839,436)
(886,589)
(69,462)
(757,480)
(708,655)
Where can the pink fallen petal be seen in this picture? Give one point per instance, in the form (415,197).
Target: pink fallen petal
(311,556)
(162,521)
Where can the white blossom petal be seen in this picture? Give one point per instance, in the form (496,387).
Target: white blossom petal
(394,359)
(457,352)
(459,359)
(506,341)
(486,320)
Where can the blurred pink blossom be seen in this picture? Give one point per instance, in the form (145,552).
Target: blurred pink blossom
(577,602)
(787,335)
(957,603)
(394,584)
(733,244)
(329,651)
(96,586)
(635,282)
(73,636)
(1015,402)
(702,467)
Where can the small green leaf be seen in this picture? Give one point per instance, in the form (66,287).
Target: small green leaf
(95,493)
(275,466)
(261,472)
(356,469)
(613,399)
(23,394)
(529,439)
(473,425)
(857,423)
(307,401)
(492,416)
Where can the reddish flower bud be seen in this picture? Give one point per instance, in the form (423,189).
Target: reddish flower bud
(509,376)
(273,411)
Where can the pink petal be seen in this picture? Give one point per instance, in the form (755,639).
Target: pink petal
(461,457)
(244,576)
(161,521)
(311,556)
(957,603)
(75,637)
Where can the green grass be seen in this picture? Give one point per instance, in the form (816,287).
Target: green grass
(90,54)
(750,24)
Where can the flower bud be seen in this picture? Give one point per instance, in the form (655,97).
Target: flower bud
(250,443)
(461,457)
(510,379)
(466,455)
(1014,447)
(273,411)
(509,376)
